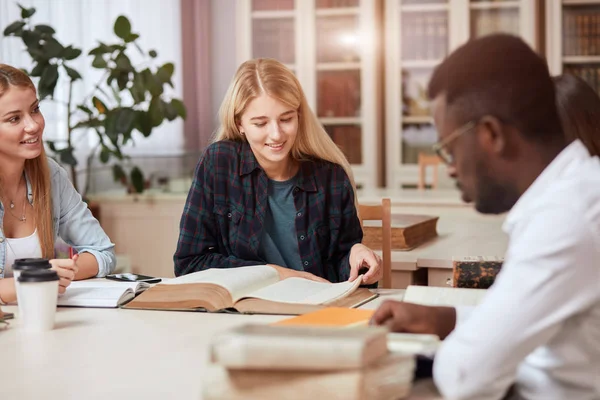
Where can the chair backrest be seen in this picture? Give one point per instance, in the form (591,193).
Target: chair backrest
(426,160)
(381,212)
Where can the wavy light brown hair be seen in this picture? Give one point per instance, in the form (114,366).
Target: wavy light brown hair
(36,169)
(268,76)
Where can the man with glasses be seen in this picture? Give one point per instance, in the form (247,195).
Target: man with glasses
(538,327)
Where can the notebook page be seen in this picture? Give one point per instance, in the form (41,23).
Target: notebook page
(92,296)
(443,296)
(238,281)
(300,290)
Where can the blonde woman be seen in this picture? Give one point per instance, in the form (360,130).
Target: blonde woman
(38,202)
(273,188)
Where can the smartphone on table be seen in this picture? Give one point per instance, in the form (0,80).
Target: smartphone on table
(129,277)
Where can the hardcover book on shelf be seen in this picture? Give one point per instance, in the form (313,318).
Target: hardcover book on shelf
(253,290)
(475,272)
(408,231)
(102,293)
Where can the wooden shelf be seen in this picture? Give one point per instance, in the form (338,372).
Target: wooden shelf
(336,12)
(340,120)
(275,14)
(494,6)
(417,119)
(338,66)
(424,7)
(420,63)
(580,2)
(581,59)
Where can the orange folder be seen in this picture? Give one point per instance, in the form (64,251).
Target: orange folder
(331,317)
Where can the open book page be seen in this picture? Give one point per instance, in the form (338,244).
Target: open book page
(413,343)
(443,296)
(300,290)
(239,282)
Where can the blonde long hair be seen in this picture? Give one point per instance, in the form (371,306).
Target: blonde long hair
(36,169)
(269,76)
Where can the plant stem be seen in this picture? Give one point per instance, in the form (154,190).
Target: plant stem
(88,171)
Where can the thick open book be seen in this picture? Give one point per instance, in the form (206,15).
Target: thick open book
(253,289)
(100,293)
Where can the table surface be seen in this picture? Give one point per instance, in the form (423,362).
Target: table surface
(123,354)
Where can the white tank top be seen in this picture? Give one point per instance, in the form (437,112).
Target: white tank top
(27,247)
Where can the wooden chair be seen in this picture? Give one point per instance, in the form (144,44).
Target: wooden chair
(381,212)
(428,160)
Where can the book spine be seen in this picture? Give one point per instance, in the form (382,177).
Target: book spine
(475,272)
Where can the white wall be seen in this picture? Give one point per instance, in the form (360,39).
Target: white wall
(83,23)
(224,62)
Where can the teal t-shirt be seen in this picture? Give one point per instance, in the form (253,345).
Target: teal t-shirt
(279,244)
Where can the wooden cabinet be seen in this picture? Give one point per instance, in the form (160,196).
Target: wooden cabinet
(418,35)
(573,39)
(332,47)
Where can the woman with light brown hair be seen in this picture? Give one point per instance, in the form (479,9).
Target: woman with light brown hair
(579,110)
(273,188)
(38,203)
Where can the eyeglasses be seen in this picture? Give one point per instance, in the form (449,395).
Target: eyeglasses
(440,147)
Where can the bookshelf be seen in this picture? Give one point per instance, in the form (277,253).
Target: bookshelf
(418,35)
(335,57)
(573,39)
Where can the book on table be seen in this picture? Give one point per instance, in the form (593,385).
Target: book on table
(408,231)
(443,296)
(253,289)
(101,293)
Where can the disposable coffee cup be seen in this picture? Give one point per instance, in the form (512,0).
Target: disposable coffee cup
(29,264)
(37,294)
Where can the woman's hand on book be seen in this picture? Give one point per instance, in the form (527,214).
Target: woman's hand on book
(66,270)
(285,273)
(415,318)
(362,256)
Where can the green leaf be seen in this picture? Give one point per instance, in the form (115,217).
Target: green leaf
(157,114)
(138,91)
(38,70)
(104,154)
(26,12)
(123,63)
(48,81)
(122,27)
(153,53)
(90,123)
(14,28)
(137,179)
(165,73)
(143,123)
(99,62)
(101,49)
(180,107)
(152,83)
(119,174)
(45,29)
(170,112)
(70,53)
(53,48)
(32,40)
(85,109)
(66,156)
(131,37)
(123,80)
(51,145)
(100,106)
(125,120)
(74,75)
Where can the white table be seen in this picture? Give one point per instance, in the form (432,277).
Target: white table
(120,354)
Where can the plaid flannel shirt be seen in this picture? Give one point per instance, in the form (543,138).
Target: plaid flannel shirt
(223,218)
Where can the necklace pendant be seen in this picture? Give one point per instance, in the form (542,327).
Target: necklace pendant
(23,219)
(12,205)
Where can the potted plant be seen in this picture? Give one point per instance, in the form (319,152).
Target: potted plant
(127,98)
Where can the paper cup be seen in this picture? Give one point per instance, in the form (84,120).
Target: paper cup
(37,294)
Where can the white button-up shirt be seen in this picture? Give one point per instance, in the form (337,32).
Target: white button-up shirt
(538,326)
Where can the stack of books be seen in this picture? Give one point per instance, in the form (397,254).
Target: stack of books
(299,362)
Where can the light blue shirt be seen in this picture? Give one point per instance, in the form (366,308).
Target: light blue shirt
(72,222)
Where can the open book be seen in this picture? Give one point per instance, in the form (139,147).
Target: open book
(253,289)
(100,293)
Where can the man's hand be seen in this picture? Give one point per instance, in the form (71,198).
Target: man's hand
(285,273)
(415,318)
(362,256)
(66,270)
